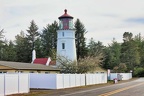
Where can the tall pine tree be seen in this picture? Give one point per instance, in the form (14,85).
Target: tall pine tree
(9,51)
(49,39)
(129,52)
(80,39)
(23,49)
(112,55)
(1,43)
(95,48)
(32,36)
(32,33)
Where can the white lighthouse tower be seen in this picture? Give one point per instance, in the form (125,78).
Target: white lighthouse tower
(66,38)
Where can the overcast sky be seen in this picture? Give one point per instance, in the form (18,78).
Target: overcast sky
(103,19)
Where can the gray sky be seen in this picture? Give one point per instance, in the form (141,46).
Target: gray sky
(103,19)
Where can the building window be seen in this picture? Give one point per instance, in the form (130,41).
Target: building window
(31,71)
(47,72)
(63,45)
(63,34)
(20,71)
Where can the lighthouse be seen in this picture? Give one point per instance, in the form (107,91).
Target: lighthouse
(66,46)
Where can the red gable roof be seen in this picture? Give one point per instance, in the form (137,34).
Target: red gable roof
(40,61)
(44,61)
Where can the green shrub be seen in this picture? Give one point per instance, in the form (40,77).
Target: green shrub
(139,72)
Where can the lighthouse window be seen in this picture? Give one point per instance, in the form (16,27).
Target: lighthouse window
(63,45)
(60,25)
(63,34)
(70,24)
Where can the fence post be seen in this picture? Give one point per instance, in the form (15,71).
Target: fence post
(85,80)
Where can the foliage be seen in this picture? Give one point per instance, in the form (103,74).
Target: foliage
(139,72)
(38,48)
(84,65)
(23,50)
(1,43)
(129,52)
(89,64)
(127,36)
(9,52)
(112,55)
(95,48)
(140,43)
(32,33)
(66,65)
(49,39)
(1,34)
(120,68)
(80,39)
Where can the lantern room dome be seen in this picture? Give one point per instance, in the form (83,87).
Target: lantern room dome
(65,15)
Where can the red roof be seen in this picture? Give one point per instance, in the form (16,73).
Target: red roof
(40,61)
(44,61)
(65,15)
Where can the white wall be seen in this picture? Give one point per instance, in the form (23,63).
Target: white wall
(14,83)
(58,81)
(125,76)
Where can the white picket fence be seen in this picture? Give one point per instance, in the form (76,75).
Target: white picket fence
(125,76)
(14,83)
(58,81)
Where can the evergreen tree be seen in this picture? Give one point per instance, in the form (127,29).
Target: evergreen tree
(31,38)
(80,39)
(95,48)
(39,48)
(140,43)
(32,33)
(113,53)
(9,52)
(1,43)
(142,53)
(23,50)
(49,39)
(129,52)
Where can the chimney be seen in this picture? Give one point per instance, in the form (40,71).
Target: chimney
(33,55)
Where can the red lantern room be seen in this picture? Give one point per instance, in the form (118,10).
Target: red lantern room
(65,21)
